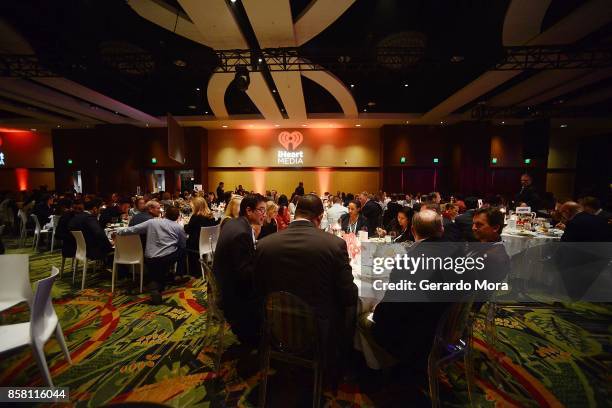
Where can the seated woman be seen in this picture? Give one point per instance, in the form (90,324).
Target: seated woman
(231,210)
(201,217)
(399,229)
(353,221)
(283,218)
(269,226)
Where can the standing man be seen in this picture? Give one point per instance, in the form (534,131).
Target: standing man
(299,190)
(527,194)
(233,268)
(220,192)
(372,211)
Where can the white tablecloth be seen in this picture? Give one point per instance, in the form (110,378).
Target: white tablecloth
(516,242)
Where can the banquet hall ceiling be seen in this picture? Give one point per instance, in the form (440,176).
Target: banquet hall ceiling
(133,61)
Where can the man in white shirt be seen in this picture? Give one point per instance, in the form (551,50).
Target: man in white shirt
(336,210)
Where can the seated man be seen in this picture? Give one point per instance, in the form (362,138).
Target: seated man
(166,241)
(63,232)
(313,265)
(98,245)
(580,226)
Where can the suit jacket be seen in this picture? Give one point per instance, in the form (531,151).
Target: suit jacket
(586,227)
(451,231)
(299,191)
(313,265)
(63,233)
(233,270)
(344,222)
(42,212)
(196,222)
(605,215)
(529,196)
(98,245)
(396,320)
(464,223)
(373,213)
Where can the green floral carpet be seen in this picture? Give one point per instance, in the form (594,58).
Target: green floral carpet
(124,349)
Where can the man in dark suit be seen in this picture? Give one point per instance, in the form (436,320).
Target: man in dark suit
(592,205)
(405,329)
(372,211)
(98,245)
(43,209)
(313,265)
(220,192)
(581,226)
(233,269)
(464,221)
(487,227)
(299,190)
(527,194)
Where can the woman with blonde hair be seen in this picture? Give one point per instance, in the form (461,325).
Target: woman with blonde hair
(232,210)
(270,225)
(200,217)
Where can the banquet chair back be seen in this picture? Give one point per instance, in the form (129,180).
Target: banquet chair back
(23,224)
(453,340)
(54,223)
(80,255)
(208,240)
(43,323)
(213,299)
(128,251)
(14,281)
(37,232)
(290,326)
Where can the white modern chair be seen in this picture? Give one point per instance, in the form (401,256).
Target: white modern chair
(128,251)
(23,222)
(37,232)
(208,240)
(79,255)
(35,333)
(54,222)
(14,281)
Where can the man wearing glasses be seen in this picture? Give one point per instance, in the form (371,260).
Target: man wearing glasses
(233,267)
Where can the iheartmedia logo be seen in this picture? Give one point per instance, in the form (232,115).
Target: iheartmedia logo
(290,141)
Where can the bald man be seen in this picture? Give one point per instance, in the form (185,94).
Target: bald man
(581,226)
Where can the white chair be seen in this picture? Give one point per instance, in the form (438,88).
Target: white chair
(14,281)
(35,333)
(128,251)
(54,222)
(79,255)
(37,232)
(208,240)
(23,232)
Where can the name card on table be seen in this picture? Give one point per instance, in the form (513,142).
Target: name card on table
(523,210)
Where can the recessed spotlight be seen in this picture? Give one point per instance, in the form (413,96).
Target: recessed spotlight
(365,110)
(303,125)
(405,85)
(407,122)
(59,126)
(233,1)
(564,125)
(503,123)
(274,91)
(352,85)
(116,113)
(191,106)
(146,124)
(32,130)
(358,125)
(250,126)
(197,89)
(180,63)
(259,60)
(223,126)
(206,113)
(276,125)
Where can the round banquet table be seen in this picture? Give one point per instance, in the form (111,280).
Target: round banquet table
(516,241)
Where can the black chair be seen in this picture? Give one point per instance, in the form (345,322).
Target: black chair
(289,328)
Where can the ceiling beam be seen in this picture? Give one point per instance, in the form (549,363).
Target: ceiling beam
(215,93)
(337,89)
(262,97)
(96,98)
(215,22)
(11,107)
(318,16)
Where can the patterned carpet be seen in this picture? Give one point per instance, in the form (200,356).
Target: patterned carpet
(124,349)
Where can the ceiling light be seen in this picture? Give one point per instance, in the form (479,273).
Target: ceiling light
(303,125)
(180,63)
(365,110)
(223,126)
(277,125)
(233,1)
(146,124)
(407,122)
(564,125)
(441,122)
(405,85)
(59,126)
(197,89)
(358,125)
(503,123)
(191,106)
(250,126)
(32,130)
(206,113)
(116,113)
(274,91)
(352,85)
(259,60)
